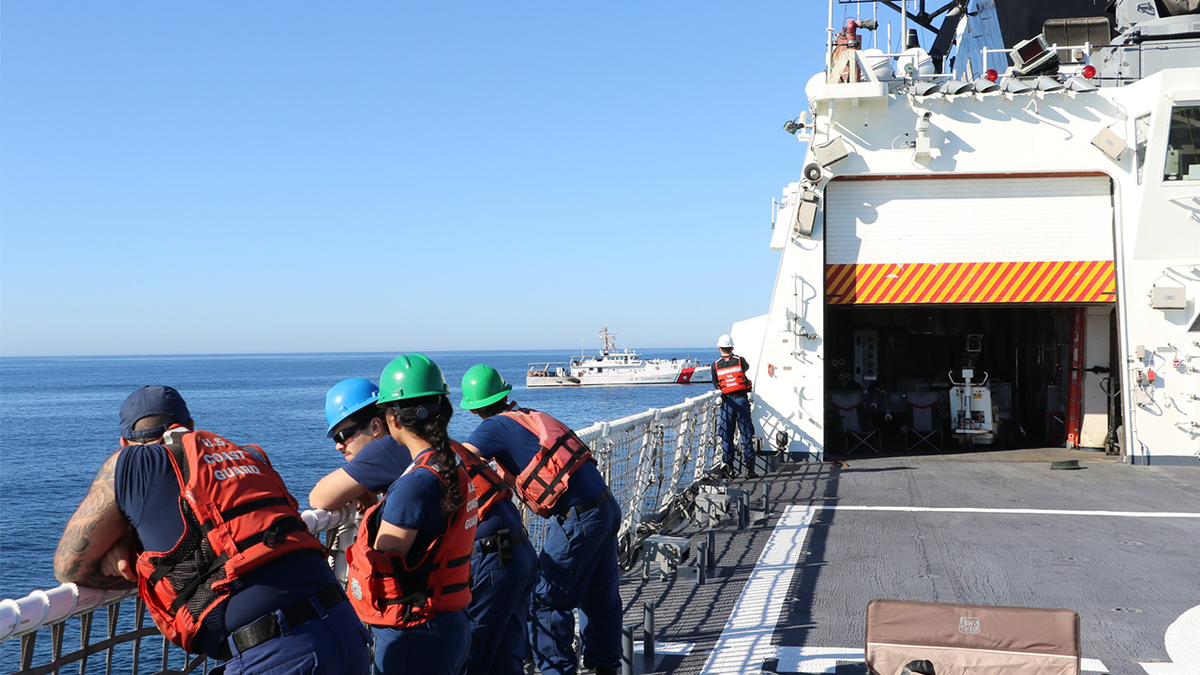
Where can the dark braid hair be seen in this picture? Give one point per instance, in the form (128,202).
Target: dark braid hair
(433,429)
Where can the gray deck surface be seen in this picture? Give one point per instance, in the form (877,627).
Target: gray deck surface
(1128,577)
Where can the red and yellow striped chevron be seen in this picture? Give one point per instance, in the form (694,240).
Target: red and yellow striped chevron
(952,283)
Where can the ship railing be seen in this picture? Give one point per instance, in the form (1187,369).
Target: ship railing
(650,461)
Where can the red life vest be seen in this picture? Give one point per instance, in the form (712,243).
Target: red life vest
(385,591)
(546,476)
(490,488)
(237,515)
(730,376)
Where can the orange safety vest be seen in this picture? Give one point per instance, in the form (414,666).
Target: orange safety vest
(546,476)
(237,515)
(490,488)
(385,591)
(731,377)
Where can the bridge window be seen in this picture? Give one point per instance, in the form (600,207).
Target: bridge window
(1183,144)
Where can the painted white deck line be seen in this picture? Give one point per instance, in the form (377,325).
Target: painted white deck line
(1034,512)
(745,642)
(665,648)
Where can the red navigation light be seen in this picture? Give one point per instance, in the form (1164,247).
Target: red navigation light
(991,75)
(1089,71)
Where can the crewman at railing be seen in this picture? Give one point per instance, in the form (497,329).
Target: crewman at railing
(223,561)
(373,458)
(504,563)
(409,567)
(556,477)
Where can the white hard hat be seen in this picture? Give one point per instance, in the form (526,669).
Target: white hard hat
(725,341)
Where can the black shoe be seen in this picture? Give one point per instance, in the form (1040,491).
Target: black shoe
(752,473)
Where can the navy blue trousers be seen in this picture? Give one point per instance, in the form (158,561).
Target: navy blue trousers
(330,645)
(437,647)
(578,570)
(499,611)
(735,410)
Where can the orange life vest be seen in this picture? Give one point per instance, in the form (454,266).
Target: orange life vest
(237,515)
(385,591)
(730,376)
(490,488)
(545,478)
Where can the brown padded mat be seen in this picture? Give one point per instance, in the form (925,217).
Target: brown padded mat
(976,639)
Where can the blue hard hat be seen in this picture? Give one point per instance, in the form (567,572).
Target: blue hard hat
(346,398)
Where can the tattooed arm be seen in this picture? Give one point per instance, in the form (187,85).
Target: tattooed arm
(96,530)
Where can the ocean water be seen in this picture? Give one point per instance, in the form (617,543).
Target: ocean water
(58,422)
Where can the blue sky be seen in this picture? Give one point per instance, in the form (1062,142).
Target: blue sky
(297,176)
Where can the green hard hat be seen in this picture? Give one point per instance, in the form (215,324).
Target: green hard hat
(411,376)
(483,386)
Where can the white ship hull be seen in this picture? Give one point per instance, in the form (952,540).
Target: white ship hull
(593,373)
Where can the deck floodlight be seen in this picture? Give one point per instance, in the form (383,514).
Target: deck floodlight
(1080,84)
(926,87)
(1014,85)
(985,86)
(954,87)
(1047,83)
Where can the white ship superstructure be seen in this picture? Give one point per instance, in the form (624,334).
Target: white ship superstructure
(1035,194)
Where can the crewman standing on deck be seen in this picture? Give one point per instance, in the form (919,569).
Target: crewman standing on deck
(504,562)
(554,474)
(729,375)
(178,500)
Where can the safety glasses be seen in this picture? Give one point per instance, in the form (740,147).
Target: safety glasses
(346,434)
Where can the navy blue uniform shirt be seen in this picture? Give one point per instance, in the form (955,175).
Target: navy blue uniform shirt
(383,460)
(378,464)
(414,502)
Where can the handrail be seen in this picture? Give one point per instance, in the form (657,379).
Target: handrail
(649,460)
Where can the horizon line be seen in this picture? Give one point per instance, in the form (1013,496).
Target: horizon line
(315,353)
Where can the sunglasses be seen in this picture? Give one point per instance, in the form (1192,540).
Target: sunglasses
(346,434)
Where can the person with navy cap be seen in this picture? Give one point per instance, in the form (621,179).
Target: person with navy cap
(553,472)
(209,534)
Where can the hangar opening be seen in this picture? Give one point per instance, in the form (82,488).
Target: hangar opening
(969,313)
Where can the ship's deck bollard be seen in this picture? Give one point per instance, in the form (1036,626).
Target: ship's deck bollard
(627,650)
(702,562)
(766,498)
(648,632)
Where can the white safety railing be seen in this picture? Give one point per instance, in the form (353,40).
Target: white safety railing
(649,460)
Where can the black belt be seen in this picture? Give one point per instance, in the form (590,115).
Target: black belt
(268,628)
(583,507)
(499,542)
